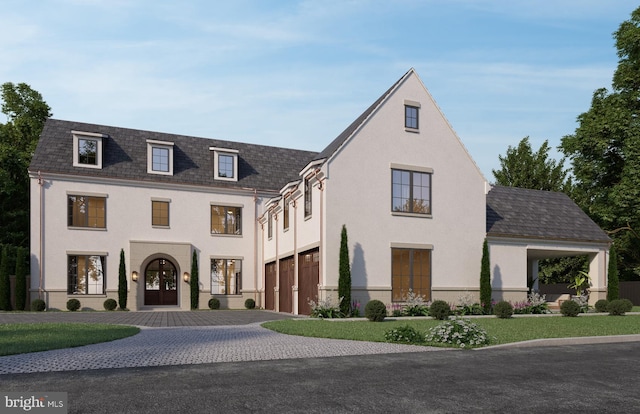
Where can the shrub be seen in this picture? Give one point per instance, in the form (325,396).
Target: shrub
(503,309)
(250,304)
(601,305)
(619,307)
(38,305)
(73,305)
(110,304)
(122,282)
(325,309)
(570,308)
(404,334)
(439,310)
(214,303)
(414,305)
(375,311)
(459,332)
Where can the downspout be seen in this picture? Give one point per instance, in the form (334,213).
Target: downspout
(275,217)
(294,204)
(255,245)
(41,241)
(320,248)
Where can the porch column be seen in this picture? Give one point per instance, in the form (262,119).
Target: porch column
(598,276)
(532,275)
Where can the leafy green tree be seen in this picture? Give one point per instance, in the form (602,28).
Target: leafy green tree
(485,279)
(21,278)
(5,282)
(122,282)
(523,168)
(195,282)
(613,286)
(344,274)
(26,113)
(605,153)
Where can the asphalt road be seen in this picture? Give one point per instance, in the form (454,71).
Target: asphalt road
(573,379)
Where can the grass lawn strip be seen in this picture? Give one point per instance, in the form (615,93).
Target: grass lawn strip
(33,337)
(501,331)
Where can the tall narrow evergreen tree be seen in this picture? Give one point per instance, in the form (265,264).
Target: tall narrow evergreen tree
(344,280)
(485,279)
(5,283)
(21,278)
(194,282)
(122,282)
(612,276)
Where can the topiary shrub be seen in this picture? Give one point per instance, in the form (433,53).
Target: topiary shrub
(619,307)
(250,304)
(214,303)
(570,308)
(503,309)
(73,305)
(38,305)
(110,304)
(601,305)
(404,334)
(440,310)
(375,311)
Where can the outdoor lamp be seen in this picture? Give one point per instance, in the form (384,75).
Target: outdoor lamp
(185,276)
(134,276)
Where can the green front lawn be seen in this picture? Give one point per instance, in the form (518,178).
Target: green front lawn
(503,330)
(21,338)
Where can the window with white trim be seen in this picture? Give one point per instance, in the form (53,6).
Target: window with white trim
(159,157)
(87,149)
(85,274)
(225,164)
(226,276)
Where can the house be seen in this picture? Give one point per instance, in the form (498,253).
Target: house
(265,222)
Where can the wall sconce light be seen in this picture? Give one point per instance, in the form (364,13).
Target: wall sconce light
(185,277)
(134,276)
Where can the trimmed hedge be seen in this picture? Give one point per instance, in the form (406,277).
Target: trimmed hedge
(440,310)
(570,308)
(503,309)
(110,304)
(375,311)
(250,304)
(214,303)
(73,305)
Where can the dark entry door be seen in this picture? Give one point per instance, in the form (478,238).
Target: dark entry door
(286,283)
(308,279)
(161,283)
(269,286)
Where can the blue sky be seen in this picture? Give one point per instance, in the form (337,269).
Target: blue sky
(296,73)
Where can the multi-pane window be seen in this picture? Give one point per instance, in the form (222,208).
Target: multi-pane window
(85,275)
(226,276)
(159,213)
(87,211)
(226,220)
(87,151)
(411,270)
(411,191)
(160,159)
(307,197)
(225,166)
(411,116)
(285,214)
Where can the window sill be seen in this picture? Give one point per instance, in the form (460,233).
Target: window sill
(93,295)
(402,214)
(160,227)
(226,235)
(309,217)
(87,228)
(413,130)
(225,295)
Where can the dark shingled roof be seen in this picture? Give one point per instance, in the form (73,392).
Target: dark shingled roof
(125,157)
(340,139)
(518,212)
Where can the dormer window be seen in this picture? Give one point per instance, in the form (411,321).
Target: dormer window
(159,157)
(87,149)
(411,112)
(225,164)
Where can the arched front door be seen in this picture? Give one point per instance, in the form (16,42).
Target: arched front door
(160,283)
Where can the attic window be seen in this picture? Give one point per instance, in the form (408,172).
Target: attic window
(411,112)
(87,149)
(225,164)
(159,157)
